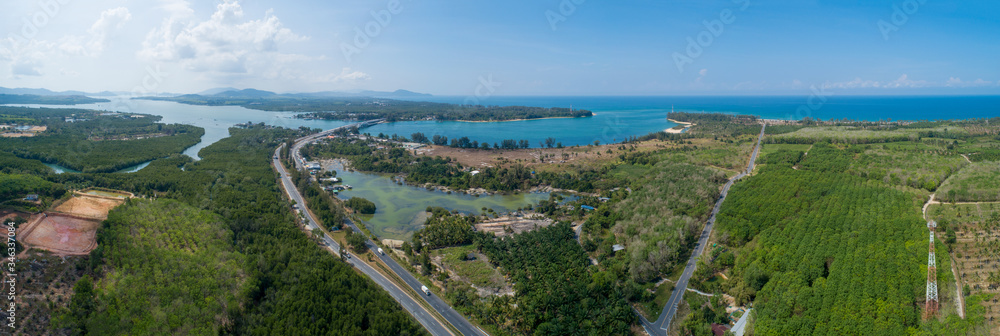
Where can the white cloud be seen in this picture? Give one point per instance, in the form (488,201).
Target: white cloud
(176,8)
(346,76)
(111,20)
(226,43)
(25,68)
(26,56)
(701,75)
(903,81)
(97,39)
(957,82)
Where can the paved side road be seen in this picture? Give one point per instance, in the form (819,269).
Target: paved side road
(662,324)
(413,307)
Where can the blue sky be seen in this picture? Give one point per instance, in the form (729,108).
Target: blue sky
(749,47)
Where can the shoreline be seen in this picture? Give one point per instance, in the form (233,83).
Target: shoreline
(495,121)
(674,130)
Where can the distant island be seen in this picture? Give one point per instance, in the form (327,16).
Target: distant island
(49,100)
(320,106)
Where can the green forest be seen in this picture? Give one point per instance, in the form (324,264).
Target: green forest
(365,156)
(663,216)
(823,252)
(977,182)
(171,269)
(557,292)
(100,144)
(49,100)
(378,108)
(291,285)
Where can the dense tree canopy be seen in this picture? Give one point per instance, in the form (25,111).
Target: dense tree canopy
(292,285)
(557,293)
(99,144)
(831,253)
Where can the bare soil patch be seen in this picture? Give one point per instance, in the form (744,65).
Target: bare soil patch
(90,206)
(507,225)
(62,234)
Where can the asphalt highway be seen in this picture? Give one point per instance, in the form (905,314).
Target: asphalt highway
(418,311)
(662,324)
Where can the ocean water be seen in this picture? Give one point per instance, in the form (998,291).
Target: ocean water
(216,120)
(617,118)
(621,117)
(871,108)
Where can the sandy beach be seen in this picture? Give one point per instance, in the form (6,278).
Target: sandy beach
(673,130)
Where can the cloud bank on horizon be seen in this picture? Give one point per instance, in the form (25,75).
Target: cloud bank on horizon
(547,47)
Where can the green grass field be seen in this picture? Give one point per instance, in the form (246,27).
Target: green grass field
(856,133)
(479,272)
(978,182)
(771,148)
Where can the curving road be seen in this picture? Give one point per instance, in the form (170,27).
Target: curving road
(662,324)
(418,311)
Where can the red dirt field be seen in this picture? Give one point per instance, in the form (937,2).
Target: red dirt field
(61,234)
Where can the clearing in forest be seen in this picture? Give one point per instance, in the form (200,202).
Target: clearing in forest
(70,227)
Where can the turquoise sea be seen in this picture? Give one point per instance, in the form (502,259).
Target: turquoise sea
(617,117)
(621,117)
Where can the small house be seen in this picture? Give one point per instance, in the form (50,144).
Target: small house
(31,198)
(719,329)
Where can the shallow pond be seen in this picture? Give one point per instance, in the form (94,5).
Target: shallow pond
(401,208)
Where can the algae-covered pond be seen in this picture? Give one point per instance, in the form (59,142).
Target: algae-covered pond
(401,208)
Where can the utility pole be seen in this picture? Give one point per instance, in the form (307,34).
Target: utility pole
(931,306)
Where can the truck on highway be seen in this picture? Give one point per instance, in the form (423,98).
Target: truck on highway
(380,251)
(426,290)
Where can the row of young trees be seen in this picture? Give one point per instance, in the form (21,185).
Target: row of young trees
(171,269)
(832,253)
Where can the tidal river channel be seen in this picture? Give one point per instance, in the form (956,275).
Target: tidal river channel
(401,208)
